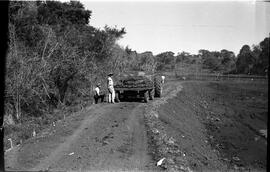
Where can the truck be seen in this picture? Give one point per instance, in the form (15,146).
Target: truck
(138,85)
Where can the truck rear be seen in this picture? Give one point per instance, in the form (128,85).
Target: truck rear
(138,86)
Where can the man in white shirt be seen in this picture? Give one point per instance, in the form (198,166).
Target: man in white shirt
(111,88)
(163,79)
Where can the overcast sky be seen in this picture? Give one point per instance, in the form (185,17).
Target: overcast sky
(177,26)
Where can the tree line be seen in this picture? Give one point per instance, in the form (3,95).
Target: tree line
(252,61)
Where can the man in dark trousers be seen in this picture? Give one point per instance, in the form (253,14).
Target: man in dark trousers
(98,94)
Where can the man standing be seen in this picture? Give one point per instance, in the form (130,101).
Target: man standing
(110,88)
(163,79)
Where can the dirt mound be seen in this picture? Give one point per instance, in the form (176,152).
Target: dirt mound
(134,82)
(164,149)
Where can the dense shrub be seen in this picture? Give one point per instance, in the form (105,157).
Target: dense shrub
(55,57)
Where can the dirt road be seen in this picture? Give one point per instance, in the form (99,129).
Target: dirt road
(110,137)
(101,137)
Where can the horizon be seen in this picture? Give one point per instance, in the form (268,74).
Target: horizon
(177,26)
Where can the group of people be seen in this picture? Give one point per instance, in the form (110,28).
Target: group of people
(98,95)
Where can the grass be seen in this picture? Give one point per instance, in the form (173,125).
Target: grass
(23,131)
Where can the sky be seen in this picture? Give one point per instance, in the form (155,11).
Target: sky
(177,26)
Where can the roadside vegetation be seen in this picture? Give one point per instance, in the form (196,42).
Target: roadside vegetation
(55,58)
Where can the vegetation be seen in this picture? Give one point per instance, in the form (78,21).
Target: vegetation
(55,57)
(218,61)
(255,60)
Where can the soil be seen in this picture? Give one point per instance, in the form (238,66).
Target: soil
(107,136)
(215,125)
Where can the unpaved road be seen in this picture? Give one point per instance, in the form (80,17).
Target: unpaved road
(101,137)
(216,126)
(112,137)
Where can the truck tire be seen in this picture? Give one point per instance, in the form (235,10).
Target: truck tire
(117,100)
(151,94)
(146,96)
(158,87)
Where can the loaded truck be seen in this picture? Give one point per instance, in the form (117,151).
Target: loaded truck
(138,85)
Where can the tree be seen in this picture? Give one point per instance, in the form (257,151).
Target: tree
(245,60)
(165,59)
(212,62)
(147,61)
(128,50)
(227,60)
(23,16)
(261,53)
(264,56)
(183,57)
(64,14)
(204,53)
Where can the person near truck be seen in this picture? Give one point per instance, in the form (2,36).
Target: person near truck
(97,94)
(163,79)
(111,88)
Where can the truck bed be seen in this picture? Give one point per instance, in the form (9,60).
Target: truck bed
(132,88)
